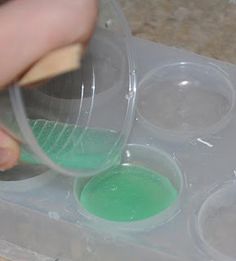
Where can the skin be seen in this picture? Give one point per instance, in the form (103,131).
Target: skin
(29,30)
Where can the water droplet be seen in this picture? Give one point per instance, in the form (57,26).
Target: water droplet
(128,154)
(89,249)
(113,187)
(53,215)
(108,23)
(235,172)
(67,194)
(130,95)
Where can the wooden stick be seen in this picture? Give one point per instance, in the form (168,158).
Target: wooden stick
(55,63)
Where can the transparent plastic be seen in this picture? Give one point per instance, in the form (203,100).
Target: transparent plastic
(78,123)
(145,157)
(46,222)
(215,222)
(185,100)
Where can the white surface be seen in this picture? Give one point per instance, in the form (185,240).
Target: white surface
(206,160)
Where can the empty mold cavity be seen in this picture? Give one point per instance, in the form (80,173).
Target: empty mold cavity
(142,192)
(216,223)
(87,86)
(22,172)
(185,99)
(25,177)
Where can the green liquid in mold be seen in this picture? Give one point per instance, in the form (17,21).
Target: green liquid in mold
(74,147)
(127,193)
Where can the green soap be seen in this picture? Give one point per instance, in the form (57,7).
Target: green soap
(74,147)
(127,193)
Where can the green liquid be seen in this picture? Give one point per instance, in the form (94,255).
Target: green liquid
(74,147)
(127,193)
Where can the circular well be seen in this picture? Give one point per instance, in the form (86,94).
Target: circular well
(185,99)
(216,223)
(129,188)
(24,178)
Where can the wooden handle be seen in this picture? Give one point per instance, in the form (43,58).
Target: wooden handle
(55,63)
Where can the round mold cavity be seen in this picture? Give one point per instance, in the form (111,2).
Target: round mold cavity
(141,157)
(215,224)
(70,99)
(24,178)
(184,100)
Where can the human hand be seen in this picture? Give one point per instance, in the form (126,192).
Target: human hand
(29,30)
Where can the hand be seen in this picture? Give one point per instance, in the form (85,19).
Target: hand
(29,30)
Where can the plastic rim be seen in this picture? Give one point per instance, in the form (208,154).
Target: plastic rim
(196,230)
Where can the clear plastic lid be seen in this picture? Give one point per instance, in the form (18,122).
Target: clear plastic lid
(78,123)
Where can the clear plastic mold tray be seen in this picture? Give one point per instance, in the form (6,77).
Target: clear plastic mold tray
(185,128)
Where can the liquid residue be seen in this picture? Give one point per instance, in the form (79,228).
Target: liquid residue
(127,193)
(74,147)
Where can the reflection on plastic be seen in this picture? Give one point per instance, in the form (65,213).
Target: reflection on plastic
(74,147)
(128,193)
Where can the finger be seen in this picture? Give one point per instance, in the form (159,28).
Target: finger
(9,151)
(32,28)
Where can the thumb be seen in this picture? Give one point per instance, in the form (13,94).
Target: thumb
(31,28)
(9,151)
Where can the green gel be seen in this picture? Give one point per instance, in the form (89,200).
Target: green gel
(127,193)
(74,147)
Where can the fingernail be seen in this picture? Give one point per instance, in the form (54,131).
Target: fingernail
(5,157)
